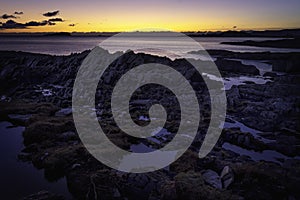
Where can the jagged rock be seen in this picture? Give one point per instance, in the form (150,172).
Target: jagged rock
(116,193)
(236,67)
(212,178)
(44,195)
(63,112)
(69,135)
(169,191)
(290,66)
(270,74)
(191,186)
(22,119)
(227,176)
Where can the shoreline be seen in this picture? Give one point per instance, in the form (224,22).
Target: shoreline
(261,118)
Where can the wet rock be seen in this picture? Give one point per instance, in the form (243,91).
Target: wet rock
(191,186)
(44,195)
(227,176)
(270,74)
(69,135)
(47,129)
(52,144)
(290,66)
(19,119)
(265,180)
(63,112)
(236,67)
(169,191)
(76,165)
(24,156)
(212,178)
(187,162)
(116,193)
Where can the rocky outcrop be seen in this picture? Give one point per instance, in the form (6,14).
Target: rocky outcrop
(38,96)
(283,43)
(44,195)
(291,65)
(236,67)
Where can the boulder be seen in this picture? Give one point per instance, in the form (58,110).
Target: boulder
(236,67)
(44,195)
(18,118)
(212,178)
(63,112)
(291,65)
(227,176)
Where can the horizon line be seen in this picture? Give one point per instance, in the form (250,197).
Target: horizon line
(190,31)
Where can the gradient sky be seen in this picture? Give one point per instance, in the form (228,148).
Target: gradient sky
(176,15)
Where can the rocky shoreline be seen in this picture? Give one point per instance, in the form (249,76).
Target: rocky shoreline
(282,43)
(256,157)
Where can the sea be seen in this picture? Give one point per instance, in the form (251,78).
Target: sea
(64,45)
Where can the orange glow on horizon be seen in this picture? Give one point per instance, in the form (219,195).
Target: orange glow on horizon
(119,16)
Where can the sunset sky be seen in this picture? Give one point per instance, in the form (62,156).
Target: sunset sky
(125,15)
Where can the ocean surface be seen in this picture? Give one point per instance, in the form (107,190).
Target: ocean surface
(64,45)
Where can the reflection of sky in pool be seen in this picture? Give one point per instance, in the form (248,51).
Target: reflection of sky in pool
(20,179)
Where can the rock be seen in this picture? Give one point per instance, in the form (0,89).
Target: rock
(234,66)
(290,66)
(18,118)
(227,176)
(267,180)
(116,193)
(69,135)
(53,145)
(270,74)
(191,186)
(169,191)
(212,178)
(76,165)
(44,195)
(63,112)
(24,156)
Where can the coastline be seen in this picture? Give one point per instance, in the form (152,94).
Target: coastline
(40,87)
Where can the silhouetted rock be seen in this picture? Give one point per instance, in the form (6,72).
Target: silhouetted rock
(236,67)
(44,195)
(284,43)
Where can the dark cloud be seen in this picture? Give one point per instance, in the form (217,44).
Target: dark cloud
(56,20)
(35,23)
(18,13)
(234,27)
(6,16)
(72,24)
(51,14)
(11,24)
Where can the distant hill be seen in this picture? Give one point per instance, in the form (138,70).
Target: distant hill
(59,34)
(284,43)
(285,33)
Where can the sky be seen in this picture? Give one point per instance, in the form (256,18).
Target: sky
(129,15)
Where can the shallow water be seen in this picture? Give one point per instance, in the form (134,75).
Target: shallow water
(246,129)
(239,80)
(266,155)
(20,179)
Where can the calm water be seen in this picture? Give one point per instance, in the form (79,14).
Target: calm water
(19,179)
(68,45)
